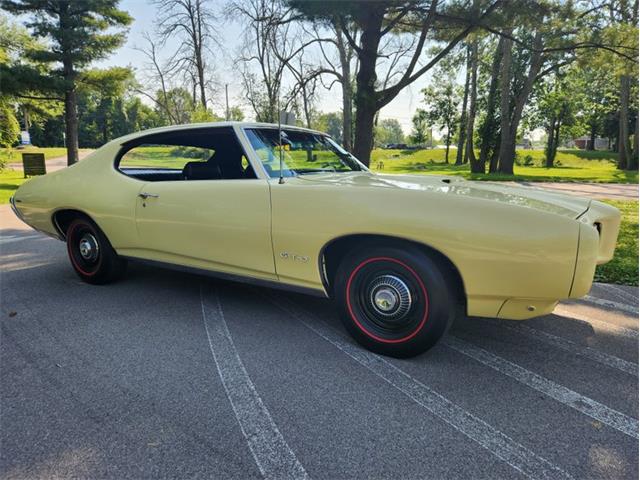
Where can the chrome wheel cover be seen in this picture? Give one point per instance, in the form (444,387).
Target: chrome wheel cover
(389,297)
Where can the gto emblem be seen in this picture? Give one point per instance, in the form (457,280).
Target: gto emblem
(294,257)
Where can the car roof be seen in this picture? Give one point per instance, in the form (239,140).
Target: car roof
(195,126)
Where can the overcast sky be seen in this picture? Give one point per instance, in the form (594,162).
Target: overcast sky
(402,108)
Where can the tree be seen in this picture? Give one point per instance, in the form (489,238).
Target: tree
(179,108)
(620,28)
(19,95)
(374,20)
(80,33)
(539,39)
(389,131)
(554,103)
(272,40)
(330,123)
(441,101)
(9,126)
(328,33)
(192,23)
(236,114)
(489,125)
(421,127)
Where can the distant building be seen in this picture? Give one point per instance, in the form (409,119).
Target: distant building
(583,142)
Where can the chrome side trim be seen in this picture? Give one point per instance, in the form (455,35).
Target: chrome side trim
(259,282)
(17,213)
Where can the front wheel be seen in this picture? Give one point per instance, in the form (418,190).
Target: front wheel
(92,256)
(394,301)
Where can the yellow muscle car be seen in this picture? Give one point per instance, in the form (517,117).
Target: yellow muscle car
(288,207)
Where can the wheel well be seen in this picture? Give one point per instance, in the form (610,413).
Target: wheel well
(63,218)
(333,253)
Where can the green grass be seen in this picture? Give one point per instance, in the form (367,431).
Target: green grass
(623,269)
(571,166)
(14,155)
(10,180)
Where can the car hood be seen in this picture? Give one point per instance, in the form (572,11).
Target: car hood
(522,196)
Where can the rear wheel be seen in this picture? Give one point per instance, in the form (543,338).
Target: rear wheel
(92,256)
(394,301)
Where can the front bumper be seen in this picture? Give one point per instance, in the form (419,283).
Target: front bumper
(599,227)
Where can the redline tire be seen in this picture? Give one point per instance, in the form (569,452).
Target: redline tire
(393,301)
(92,256)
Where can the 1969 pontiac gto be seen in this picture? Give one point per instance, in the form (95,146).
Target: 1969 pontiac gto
(288,207)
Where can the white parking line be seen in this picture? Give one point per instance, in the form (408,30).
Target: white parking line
(568,397)
(17,238)
(618,330)
(619,292)
(497,443)
(610,304)
(272,454)
(575,348)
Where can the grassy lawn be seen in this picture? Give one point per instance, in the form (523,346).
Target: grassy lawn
(14,155)
(623,269)
(10,180)
(571,166)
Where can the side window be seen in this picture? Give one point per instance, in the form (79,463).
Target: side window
(163,157)
(211,154)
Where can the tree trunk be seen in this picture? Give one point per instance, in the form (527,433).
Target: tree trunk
(550,139)
(463,114)
(71,126)
(201,83)
(366,101)
(476,167)
(486,140)
(447,142)
(623,127)
(504,165)
(633,165)
(347,89)
(591,145)
(493,164)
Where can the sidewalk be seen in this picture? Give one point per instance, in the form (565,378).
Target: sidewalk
(607,191)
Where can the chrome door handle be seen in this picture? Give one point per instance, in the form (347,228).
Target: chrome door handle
(144,195)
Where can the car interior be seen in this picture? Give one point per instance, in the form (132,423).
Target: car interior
(226,162)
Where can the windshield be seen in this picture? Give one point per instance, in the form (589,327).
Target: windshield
(302,153)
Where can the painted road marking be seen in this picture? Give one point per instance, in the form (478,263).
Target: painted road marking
(505,448)
(610,304)
(585,405)
(17,238)
(272,454)
(575,348)
(618,330)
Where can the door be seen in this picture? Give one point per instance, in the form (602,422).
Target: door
(224,225)
(200,203)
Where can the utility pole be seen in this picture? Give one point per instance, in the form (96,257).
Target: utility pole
(226,92)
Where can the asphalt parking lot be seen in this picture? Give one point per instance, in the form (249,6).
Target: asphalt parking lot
(167,374)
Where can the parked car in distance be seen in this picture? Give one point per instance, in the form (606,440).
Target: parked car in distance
(396,146)
(401,255)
